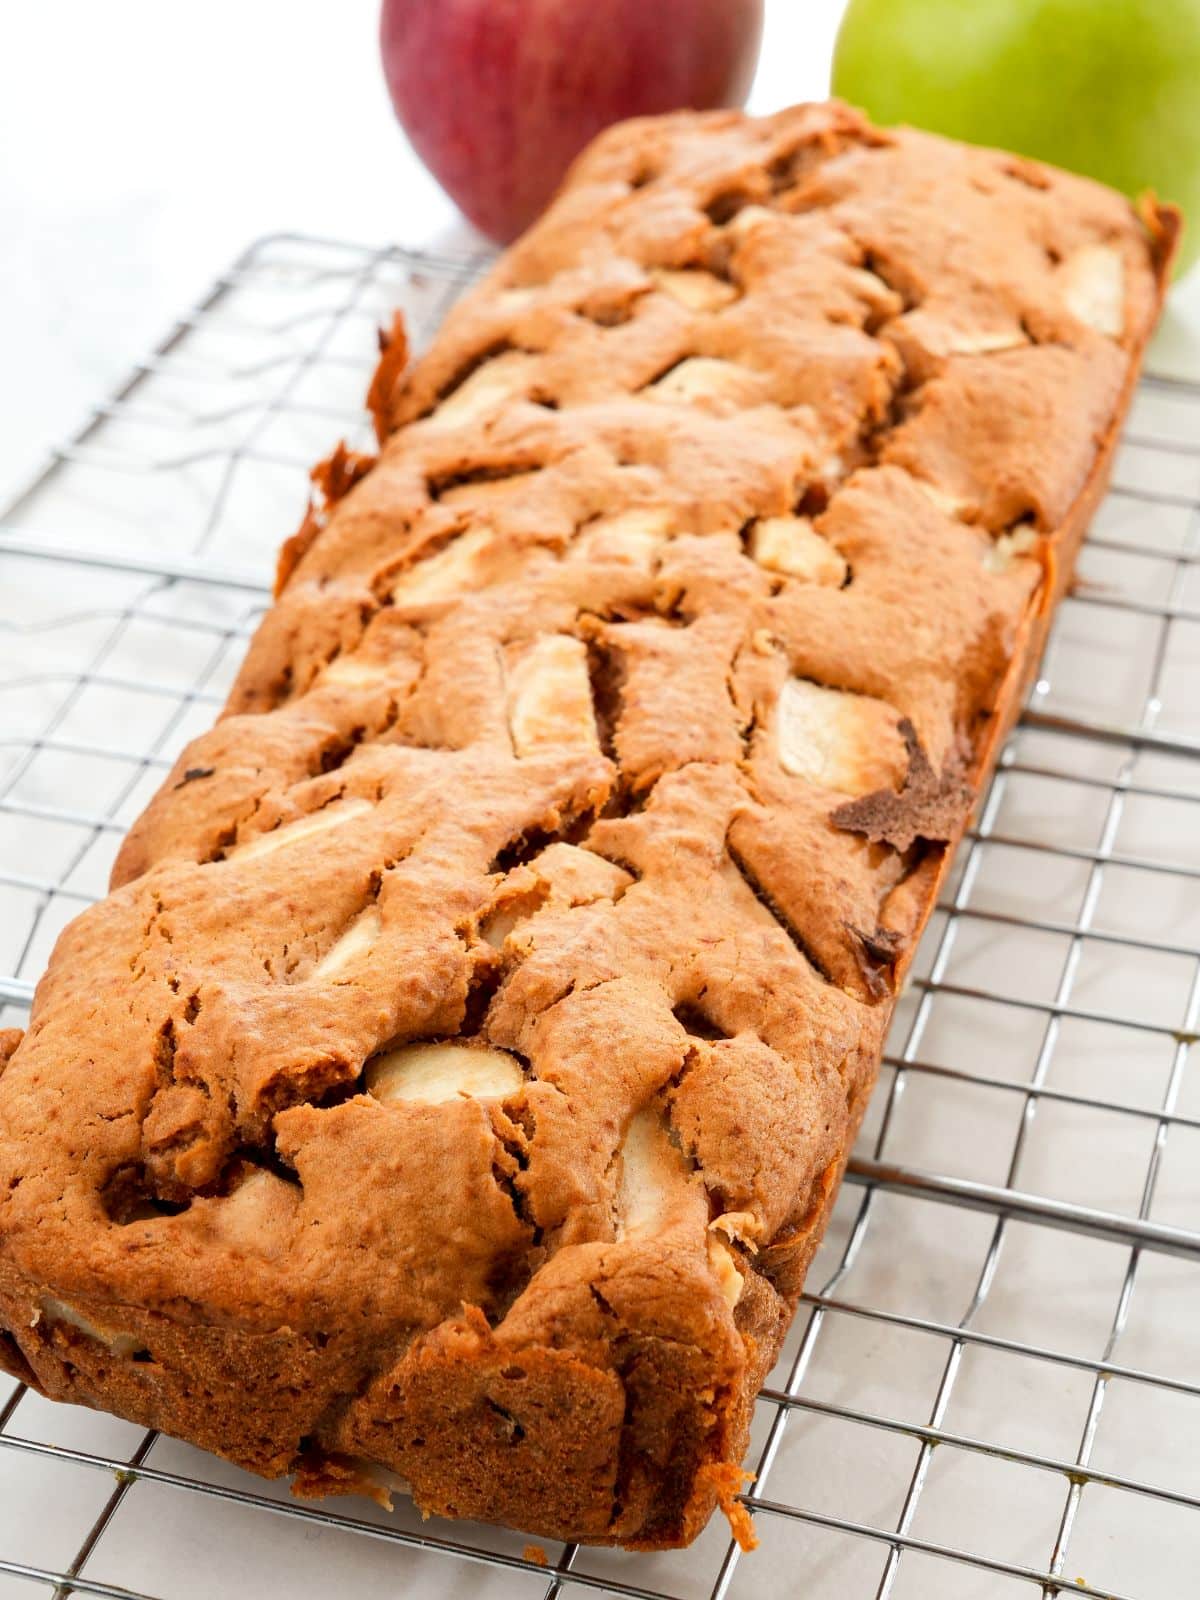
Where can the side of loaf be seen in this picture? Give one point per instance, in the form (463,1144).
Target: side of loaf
(459,1075)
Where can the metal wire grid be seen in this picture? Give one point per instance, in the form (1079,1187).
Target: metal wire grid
(991,1388)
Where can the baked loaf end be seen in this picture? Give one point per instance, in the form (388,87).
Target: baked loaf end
(459,1075)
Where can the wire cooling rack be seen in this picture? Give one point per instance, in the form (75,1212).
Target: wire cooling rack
(992,1388)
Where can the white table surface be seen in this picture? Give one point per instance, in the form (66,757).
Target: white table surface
(143,144)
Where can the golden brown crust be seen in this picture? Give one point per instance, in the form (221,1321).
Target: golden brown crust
(467,1057)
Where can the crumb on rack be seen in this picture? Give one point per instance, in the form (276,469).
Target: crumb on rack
(726,1478)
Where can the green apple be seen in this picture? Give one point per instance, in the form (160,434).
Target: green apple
(1110,88)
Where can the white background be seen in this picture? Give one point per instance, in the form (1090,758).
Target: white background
(144,143)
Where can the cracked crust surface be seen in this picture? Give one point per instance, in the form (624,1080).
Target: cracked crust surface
(459,1075)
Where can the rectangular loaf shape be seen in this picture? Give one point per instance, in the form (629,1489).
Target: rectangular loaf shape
(456,1082)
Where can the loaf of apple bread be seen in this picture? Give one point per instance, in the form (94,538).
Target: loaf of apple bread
(457,1080)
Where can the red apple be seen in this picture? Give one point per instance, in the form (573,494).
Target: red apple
(497,96)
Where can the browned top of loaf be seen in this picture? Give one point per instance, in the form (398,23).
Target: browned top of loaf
(611,719)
